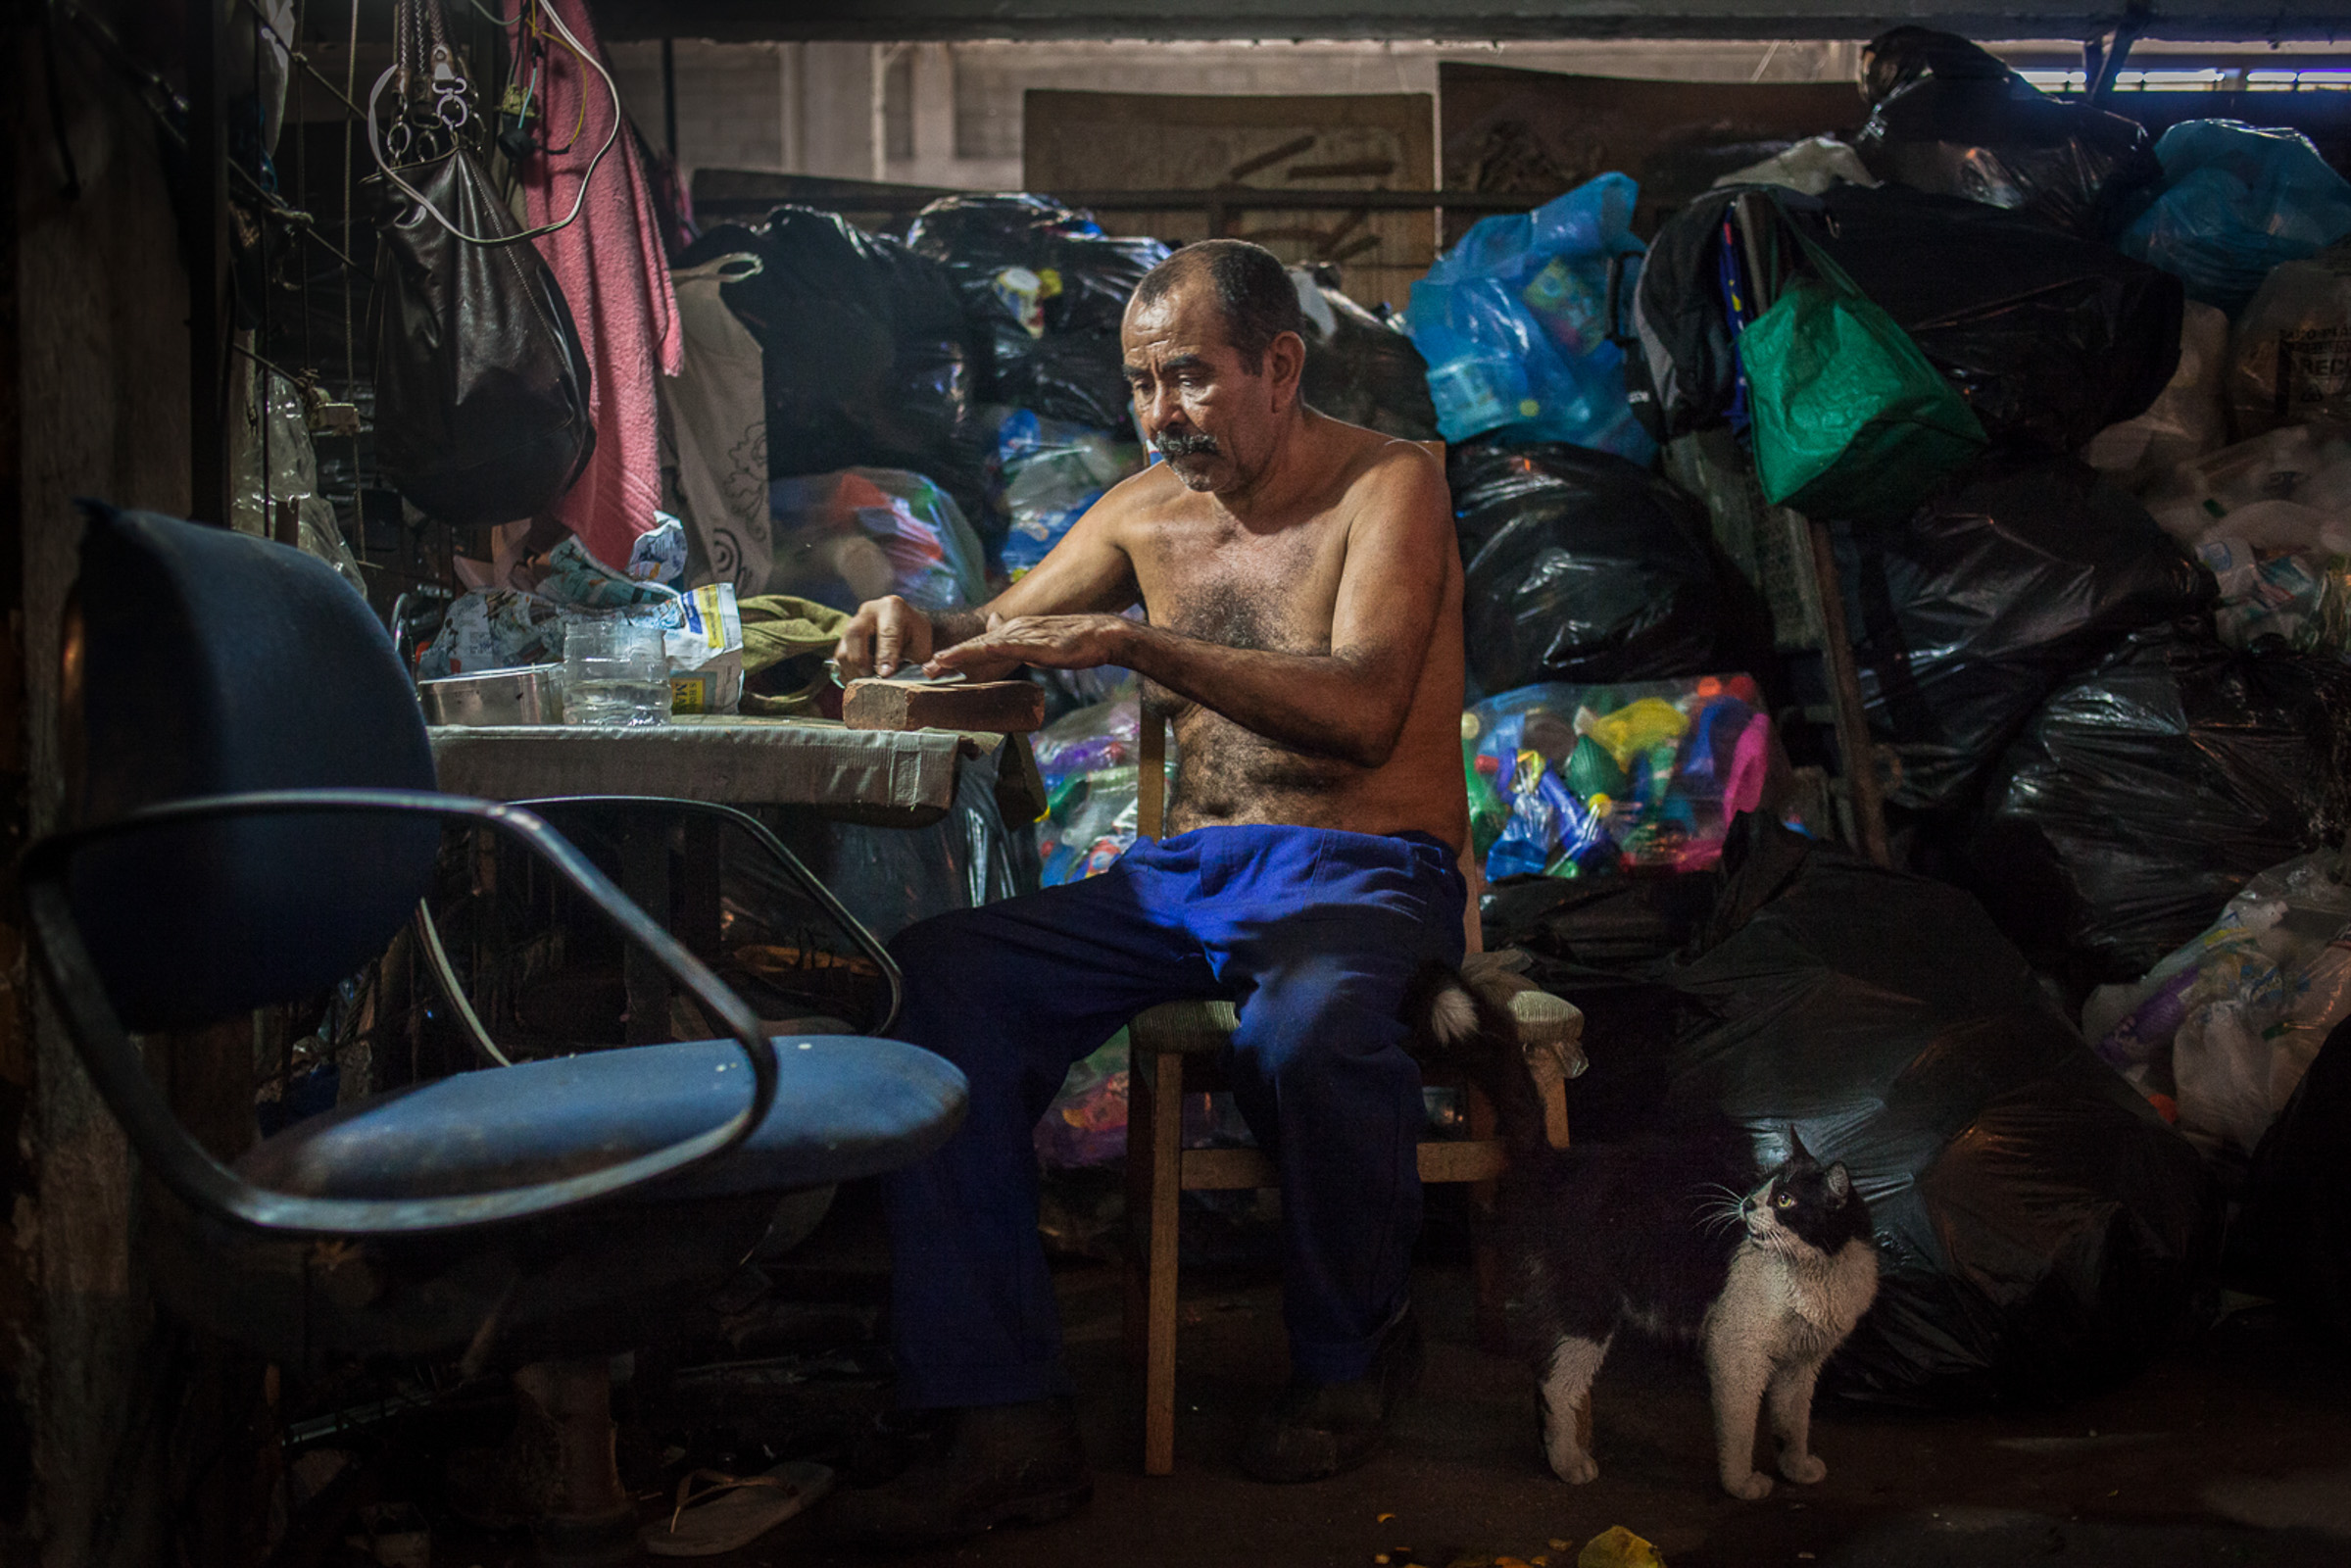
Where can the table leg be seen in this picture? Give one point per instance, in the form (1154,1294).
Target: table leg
(644,878)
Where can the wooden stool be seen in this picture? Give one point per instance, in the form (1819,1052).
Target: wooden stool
(1177,1049)
(1160,1169)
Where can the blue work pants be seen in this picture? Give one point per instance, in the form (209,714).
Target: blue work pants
(1314,935)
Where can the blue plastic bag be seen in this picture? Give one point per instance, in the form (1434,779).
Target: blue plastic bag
(1515,324)
(1045,474)
(2237,201)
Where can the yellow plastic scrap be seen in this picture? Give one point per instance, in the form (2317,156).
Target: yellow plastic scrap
(1618,1548)
(1635,728)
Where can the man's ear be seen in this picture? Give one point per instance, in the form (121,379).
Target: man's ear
(1285,370)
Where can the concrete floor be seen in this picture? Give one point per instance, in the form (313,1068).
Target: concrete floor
(2235,1451)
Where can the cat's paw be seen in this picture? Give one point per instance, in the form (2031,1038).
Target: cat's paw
(1574,1468)
(1803,1469)
(1753,1486)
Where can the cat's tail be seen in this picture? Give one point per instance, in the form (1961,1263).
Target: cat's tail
(1464,1022)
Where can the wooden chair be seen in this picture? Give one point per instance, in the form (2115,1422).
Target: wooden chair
(1177,1049)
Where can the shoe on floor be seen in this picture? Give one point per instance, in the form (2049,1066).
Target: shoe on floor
(997,1464)
(1313,1430)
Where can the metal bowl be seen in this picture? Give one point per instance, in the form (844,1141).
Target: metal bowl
(524,695)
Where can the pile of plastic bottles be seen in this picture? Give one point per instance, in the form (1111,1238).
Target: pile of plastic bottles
(1574,781)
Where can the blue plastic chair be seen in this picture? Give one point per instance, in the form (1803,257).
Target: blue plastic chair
(250,762)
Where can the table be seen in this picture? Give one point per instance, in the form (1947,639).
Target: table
(874,775)
(888,778)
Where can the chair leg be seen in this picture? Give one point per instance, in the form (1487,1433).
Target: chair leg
(1159,1309)
(1485,1258)
(594,1521)
(1136,1268)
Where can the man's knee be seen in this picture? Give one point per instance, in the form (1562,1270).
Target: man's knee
(1320,1014)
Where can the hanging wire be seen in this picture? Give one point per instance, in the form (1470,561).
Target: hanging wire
(350,65)
(261,335)
(400,68)
(302,193)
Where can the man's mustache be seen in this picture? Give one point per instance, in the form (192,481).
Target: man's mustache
(1189,443)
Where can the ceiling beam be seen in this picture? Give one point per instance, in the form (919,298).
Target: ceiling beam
(888,20)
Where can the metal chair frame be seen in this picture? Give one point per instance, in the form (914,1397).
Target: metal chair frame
(113,1059)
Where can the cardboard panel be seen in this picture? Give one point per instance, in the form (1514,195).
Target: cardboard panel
(1080,142)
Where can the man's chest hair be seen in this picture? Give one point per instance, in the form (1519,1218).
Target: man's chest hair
(1272,592)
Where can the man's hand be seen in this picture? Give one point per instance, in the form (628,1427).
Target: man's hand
(1049,642)
(883,635)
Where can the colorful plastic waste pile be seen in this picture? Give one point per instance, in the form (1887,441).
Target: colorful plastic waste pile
(1574,781)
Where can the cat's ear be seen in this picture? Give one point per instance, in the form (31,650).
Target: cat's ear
(1796,1145)
(1841,1182)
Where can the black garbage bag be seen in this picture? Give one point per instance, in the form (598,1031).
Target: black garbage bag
(1682,378)
(2041,1231)
(1359,367)
(1968,614)
(867,357)
(2292,1239)
(1046,289)
(2051,338)
(1609,947)
(1581,566)
(481,383)
(2148,790)
(1957,121)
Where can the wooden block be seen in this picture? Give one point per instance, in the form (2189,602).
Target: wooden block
(999,706)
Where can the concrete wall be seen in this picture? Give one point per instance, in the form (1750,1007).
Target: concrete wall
(823,107)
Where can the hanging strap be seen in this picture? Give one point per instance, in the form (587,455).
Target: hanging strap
(422,60)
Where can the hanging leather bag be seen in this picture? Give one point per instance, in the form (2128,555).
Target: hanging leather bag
(481,381)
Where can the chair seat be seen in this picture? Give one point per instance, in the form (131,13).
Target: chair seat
(844,1106)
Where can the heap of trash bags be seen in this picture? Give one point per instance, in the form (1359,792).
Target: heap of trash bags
(2068,400)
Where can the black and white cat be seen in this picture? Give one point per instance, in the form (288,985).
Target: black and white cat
(1681,1239)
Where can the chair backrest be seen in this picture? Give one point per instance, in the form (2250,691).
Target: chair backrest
(205,662)
(1150,775)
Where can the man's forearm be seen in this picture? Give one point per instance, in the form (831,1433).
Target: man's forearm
(1325,705)
(951,626)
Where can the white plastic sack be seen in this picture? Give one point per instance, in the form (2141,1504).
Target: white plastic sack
(2226,1025)
(1811,165)
(2186,420)
(2288,489)
(2291,355)
(718,420)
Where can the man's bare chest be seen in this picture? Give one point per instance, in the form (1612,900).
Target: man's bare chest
(1277,594)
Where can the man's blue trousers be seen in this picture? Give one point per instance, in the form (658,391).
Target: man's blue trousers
(1314,935)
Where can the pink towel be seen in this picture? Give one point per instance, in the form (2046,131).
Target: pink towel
(616,279)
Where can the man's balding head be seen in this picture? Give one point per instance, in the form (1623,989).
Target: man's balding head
(1251,289)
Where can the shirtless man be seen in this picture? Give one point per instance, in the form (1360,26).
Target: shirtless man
(1305,634)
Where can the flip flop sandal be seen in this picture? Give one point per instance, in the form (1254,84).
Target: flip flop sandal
(719,1513)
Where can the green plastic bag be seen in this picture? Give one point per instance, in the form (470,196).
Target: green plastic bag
(1851,420)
